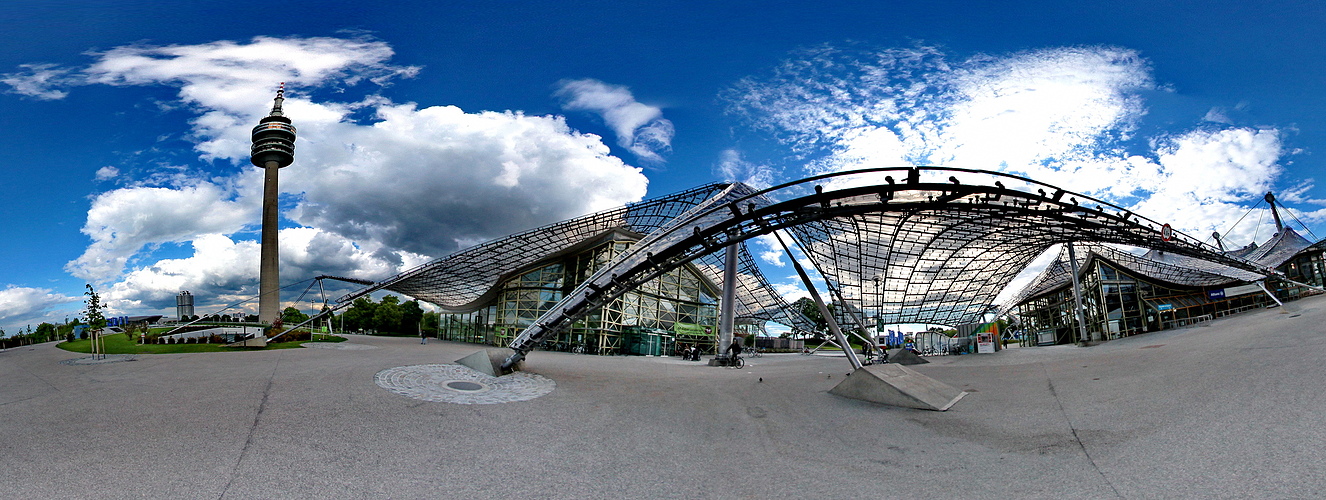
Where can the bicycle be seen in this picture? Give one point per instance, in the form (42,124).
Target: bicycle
(732,362)
(755,352)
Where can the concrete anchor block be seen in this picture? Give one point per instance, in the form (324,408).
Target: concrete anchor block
(896,385)
(489,361)
(259,341)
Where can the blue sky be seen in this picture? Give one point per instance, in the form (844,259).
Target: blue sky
(426,127)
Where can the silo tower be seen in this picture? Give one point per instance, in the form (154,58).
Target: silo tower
(184,305)
(273,148)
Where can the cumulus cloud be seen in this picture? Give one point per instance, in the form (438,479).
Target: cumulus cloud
(122,221)
(640,128)
(406,185)
(1066,116)
(433,180)
(25,305)
(222,270)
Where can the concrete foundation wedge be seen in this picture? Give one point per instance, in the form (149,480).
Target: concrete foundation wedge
(489,361)
(906,357)
(896,385)
(259,341)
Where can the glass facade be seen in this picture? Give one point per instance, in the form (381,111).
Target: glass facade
(679,307)
(1117,303)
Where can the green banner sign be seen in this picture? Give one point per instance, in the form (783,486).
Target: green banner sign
(692,329)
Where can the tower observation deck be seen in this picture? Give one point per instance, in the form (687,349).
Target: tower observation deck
(273,148)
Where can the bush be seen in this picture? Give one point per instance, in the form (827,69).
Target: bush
(295,336)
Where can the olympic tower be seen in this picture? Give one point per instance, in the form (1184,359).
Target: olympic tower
(273,148)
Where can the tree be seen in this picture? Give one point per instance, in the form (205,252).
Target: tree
(360,314)
(811,311)
(92,314)
(411,317)
(387,316)
(45,333)
(292,316)
(432,322)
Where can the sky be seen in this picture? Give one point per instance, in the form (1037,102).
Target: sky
(427,127)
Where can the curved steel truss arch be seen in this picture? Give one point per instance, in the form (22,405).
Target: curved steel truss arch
(941,248)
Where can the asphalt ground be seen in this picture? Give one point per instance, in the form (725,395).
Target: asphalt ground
(1232,408)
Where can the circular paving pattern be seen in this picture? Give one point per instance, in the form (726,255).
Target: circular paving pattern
(462,385)
(343,346)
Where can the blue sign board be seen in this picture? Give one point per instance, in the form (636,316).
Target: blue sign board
(1216,294)
(1164,307)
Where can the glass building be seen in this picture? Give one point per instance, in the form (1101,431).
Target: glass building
(680,307)
(1125,294)
(491,292)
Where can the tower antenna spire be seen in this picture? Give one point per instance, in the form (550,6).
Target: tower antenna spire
(280,99)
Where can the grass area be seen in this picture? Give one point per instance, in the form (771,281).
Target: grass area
(122,344)
(322,337)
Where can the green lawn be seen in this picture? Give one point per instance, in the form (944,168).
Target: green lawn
(121,344)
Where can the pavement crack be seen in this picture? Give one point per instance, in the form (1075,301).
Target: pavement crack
(253,429)
(1076,437)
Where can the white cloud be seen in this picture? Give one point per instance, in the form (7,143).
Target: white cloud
(432,180)
(640,128)
(407,185)
(25,305)
(107,173)
(123,221)
(37,80)
(769,251)
(792,290)
(224,271)
(1220,166)
(1064,116)
(731,166)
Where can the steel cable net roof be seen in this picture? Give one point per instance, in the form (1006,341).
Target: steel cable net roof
(1168,268)
(469,279)
(942,247)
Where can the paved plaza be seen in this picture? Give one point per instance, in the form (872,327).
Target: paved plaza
(1230,408)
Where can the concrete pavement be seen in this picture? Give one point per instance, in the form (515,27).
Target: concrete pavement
(1231,408)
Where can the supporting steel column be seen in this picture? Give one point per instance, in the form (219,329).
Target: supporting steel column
(1077,298)
(1262,284)
(727,310)
(824,310)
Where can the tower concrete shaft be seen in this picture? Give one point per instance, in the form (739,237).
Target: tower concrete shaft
(273,149)
(269,270)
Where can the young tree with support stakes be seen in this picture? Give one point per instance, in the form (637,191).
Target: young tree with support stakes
(95,320)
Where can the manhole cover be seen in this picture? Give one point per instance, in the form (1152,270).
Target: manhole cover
(465,386)
(462,385)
